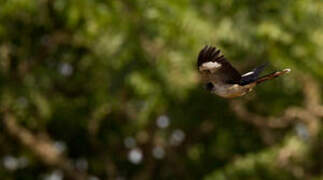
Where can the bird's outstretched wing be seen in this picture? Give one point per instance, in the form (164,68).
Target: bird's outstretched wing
(215,67)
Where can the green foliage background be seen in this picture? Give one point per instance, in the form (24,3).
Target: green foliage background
(92,75)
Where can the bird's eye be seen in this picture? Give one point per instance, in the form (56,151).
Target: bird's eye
(209,86)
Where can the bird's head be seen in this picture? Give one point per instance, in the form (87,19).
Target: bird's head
(209,86)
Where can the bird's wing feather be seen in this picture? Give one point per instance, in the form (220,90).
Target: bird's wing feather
(253,75)
(219,67)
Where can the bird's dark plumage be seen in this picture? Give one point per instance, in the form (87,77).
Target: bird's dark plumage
(253,75)
(227,72)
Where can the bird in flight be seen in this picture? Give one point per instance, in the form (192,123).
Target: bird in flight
(221,78)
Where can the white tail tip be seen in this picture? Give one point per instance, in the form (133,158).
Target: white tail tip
(287,70)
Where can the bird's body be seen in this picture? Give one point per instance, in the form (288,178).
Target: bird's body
(232,90)
(223,79)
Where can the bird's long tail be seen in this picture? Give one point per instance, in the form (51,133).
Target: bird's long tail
(271,76)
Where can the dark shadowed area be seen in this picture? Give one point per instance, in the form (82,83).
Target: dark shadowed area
(103,89)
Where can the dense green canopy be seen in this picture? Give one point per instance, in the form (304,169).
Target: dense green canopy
(101,89)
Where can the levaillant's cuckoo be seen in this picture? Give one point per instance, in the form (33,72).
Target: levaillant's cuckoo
(221,78)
